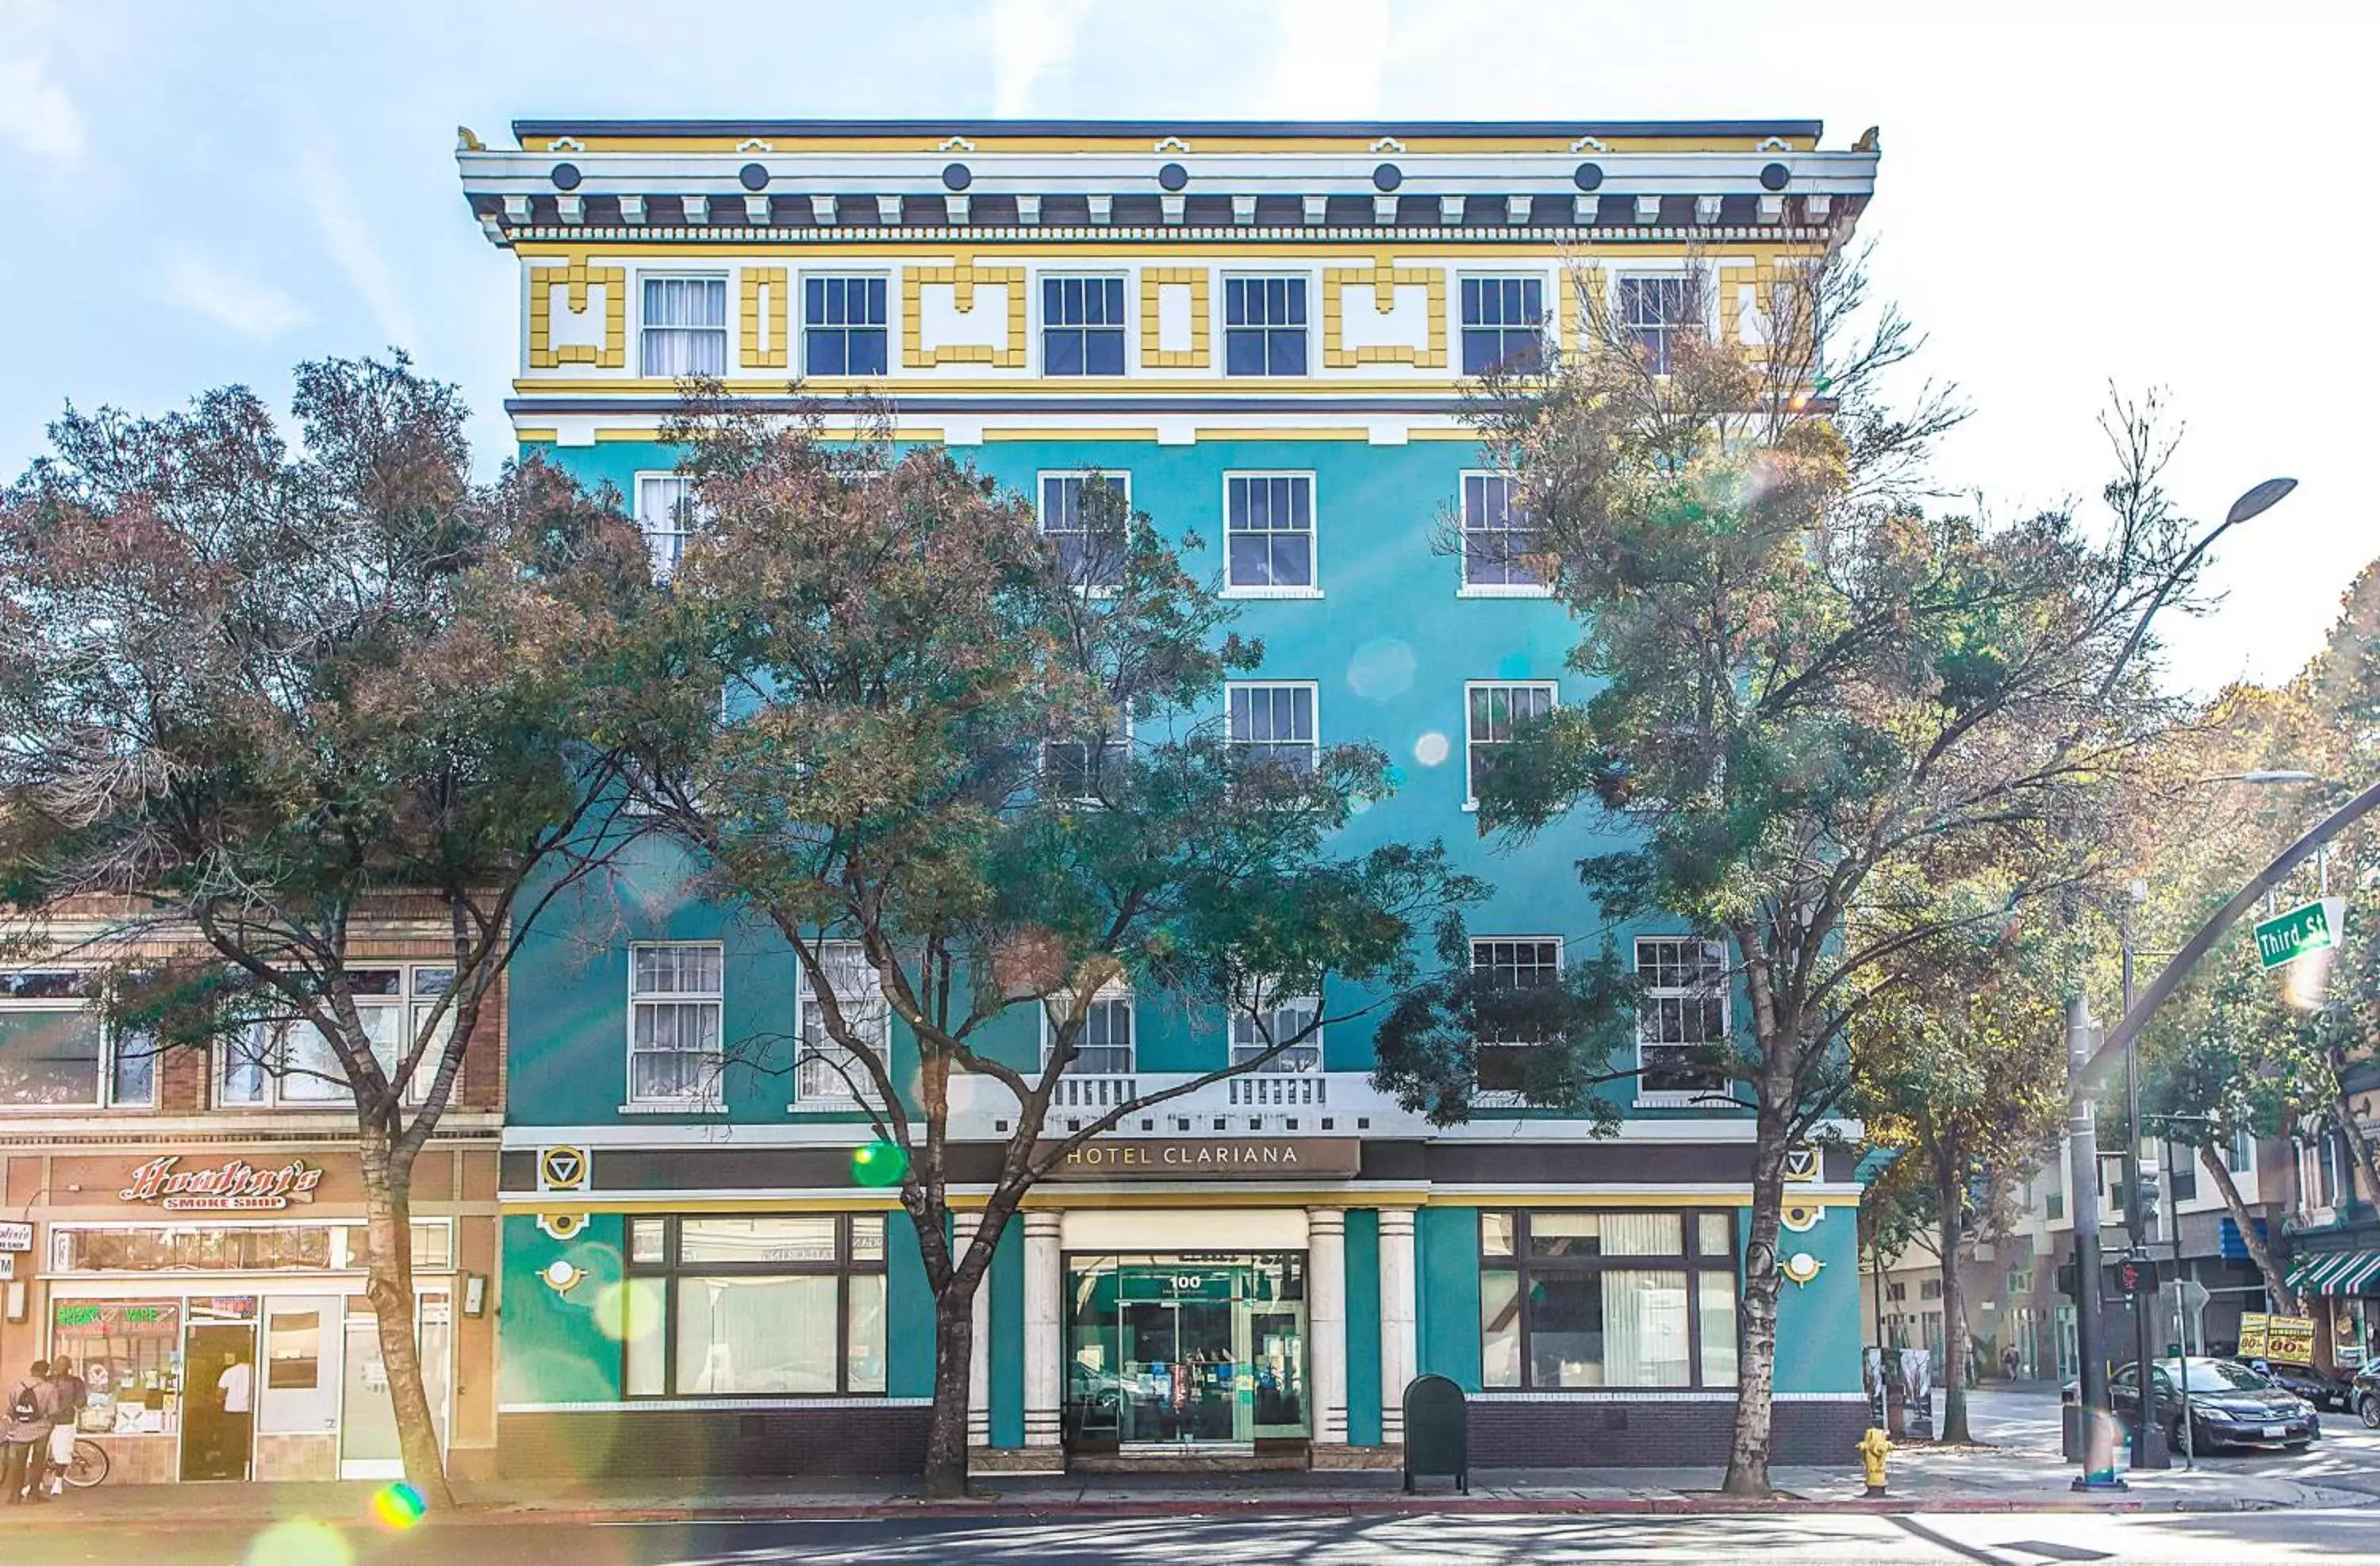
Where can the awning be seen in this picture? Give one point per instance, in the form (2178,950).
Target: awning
(2337,1272)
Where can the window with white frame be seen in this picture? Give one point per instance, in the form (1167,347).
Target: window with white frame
(1104,1047)
(1081,771)
(1272,725)
(1653,312)
(1497,537)
(1505,962)
(1263,326)
(57,1050)
(686,327)
(1681,1026)
(289,1064)
(665,515)
(843,326)
(1268,532)
(1254,1033)
(1503,325)
(1082,326)
(1088,515)
(1494,712)
(676,1002)
(827,1071)
(2242,1152)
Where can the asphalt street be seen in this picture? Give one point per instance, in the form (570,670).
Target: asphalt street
(2013,1539)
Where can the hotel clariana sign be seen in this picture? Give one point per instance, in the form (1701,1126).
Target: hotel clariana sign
(1216,1157)
(235,1185)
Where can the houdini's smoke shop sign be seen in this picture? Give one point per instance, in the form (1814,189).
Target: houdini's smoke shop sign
(234,1185)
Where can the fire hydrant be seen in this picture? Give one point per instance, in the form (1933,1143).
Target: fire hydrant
(1872,1449)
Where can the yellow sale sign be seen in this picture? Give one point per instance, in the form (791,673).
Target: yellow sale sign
(2286,1339)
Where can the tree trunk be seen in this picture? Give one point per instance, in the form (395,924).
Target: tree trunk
(1756,1365)
(1955,1349)
(946,1433)
(2284,1299)
(388,1273)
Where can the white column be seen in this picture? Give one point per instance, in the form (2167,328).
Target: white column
(1400,1349)
(1326,1323)
(979,1368)
(1041,1291)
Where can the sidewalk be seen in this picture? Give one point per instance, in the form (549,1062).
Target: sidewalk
(1969,1479)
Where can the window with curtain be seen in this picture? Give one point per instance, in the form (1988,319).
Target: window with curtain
(1104,1046)
(294,1064)
(686,327)
(755,1305)
(1581,1299)
(675,1004)
(827,1071)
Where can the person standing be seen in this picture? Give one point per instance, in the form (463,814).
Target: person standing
(72,1392)
(235,1389)
(30,1411)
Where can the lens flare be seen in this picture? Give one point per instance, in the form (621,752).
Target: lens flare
(398,1506)
(879,1164)
(299,1541)
(1381,668)
(1431,749)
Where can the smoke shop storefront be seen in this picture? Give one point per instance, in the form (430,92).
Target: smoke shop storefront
(212,1301)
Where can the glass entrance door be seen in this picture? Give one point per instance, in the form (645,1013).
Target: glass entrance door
(1186,1349)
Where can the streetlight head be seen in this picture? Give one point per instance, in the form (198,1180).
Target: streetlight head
(2263,497)
(2261,776)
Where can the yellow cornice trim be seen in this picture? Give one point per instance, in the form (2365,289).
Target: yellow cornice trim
(528,435)
(1148,252)
(827,386)
(1053,432)
(1281,433)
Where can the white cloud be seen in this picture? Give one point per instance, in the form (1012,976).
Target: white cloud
(36,113)
(248,306)
(360,255)
(1330,59)
(1030,40)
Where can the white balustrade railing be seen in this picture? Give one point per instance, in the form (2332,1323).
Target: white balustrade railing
(1259,1101)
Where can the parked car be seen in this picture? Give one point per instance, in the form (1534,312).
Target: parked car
(2317,1387)
(2230,1405)
(2365,1394)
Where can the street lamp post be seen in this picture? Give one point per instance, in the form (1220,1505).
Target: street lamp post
(2094,1408)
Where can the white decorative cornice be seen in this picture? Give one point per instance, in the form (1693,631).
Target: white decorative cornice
(822,211)
(888,211)
(1171,145)
(565,144)
(957,144)
(1388,144)
(1588,144)
(754,144)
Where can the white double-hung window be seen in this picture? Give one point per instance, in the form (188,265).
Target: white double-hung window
(825,1071)
(1103,1048)
(57,1052)
(676,997)
(1494,714)
(1268,536)
(1272,1020)
(1681,1025)
(291,1064)
(684,329)
(1272,725)
(665,516)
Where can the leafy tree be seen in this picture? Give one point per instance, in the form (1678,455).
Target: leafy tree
(1814,696)
(256,702)
(1958,1064)
(987,760)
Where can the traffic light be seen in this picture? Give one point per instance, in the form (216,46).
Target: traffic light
(2148,1196)
(2133,1276)
(2069,1281)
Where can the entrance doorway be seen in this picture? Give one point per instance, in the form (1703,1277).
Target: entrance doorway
(368,1443)
(1186,1350)
(218,1397)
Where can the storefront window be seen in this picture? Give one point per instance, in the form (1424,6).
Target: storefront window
(235,1247)
(755,1306)
(129,1352)
(1606,1299)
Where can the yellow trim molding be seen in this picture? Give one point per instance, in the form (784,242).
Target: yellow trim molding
(1384,279)
(765,336)
(576,279)
(1154,280)
(962,279)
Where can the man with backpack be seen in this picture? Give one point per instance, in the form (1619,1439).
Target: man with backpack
(31,1410)
(71,1392)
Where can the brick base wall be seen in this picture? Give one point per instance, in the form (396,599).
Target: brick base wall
(1652,1434)
(718,1443)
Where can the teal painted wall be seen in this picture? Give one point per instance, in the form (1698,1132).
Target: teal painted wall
(1818,1334)
(1389,646)
(1362,1326)
(559,1347)
(908,1312)
(1447,1241)
(1007,1286)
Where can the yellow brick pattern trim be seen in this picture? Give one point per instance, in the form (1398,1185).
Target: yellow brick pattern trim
(963,278)
(764,317)
(576,280)
(1761,276)
(1153,281)
(1383,278)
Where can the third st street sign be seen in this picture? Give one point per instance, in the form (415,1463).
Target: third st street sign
(2310,927)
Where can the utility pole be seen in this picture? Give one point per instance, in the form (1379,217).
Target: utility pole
(2148,1431)
(2082,1160)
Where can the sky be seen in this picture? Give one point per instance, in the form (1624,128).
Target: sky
(2155,194)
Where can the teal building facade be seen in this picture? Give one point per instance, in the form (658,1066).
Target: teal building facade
(1264,333)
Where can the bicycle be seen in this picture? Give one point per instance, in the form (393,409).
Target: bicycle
(89,1463)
